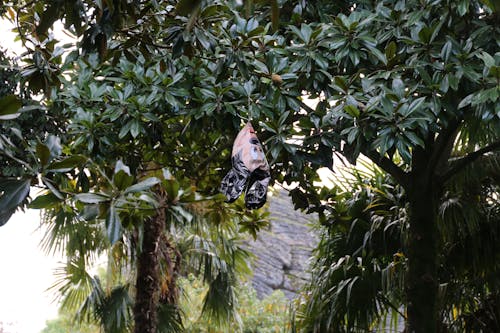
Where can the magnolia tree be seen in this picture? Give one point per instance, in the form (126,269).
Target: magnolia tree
(165,86)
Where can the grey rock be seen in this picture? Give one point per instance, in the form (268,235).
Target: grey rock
(282,253)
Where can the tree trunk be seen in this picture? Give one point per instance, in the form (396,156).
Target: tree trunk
(148,279)
(422,279)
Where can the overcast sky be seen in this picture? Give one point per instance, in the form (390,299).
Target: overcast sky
(26,273)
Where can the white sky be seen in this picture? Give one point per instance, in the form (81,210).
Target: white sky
(26,273)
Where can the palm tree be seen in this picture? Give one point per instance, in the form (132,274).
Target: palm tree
(199,237)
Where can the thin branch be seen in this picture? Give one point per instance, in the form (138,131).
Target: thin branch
(388,166)
(460,163)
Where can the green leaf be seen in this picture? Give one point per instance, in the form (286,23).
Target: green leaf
(444,85)
(424,75)
(414,138)
(495,71)
(9,107)
(181,213)
(120,166)
(213,10)
(52,188)
(453,81)
(340,82)
(306,32)
(463,7)
(207,93)
(261,67)
(249,88)
(122,180)
(45,201)
(54,145)
(13,192)
(113,225)
(353,133)
(172,188)
(416,105)
(403,151)
(43,153)
(425,35)
(379,55)
(398,87)
(352,110)
(135,128)
(15,195)
(67,164)
(125,130)
(122,177)
(91,198)
(446,51)
(283,118)
(390,50)
(143,185)
(466,101)
(488,60)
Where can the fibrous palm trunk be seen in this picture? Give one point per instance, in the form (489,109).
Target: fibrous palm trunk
(148,276)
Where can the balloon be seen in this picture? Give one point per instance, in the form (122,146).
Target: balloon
(250,171)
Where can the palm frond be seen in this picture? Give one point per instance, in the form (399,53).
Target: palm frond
(73,283)
(220,302)
(170,319)
(360,263)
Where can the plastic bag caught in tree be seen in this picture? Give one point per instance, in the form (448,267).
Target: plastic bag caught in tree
(250,171)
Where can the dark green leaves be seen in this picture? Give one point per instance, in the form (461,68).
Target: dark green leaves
(13,193)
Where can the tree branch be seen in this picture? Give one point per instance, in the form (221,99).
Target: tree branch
(460,163)
(444,145)
(388,166)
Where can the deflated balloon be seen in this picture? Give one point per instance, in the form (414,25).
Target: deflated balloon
(250,171)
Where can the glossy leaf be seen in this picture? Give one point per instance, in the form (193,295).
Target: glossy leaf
(9,107)
(91,198)
(113,225)
(143,185)
(67,164)
(13,192)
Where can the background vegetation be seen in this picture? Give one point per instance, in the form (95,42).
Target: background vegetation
(267,315)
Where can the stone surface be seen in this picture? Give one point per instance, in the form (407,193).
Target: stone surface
(282,252)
